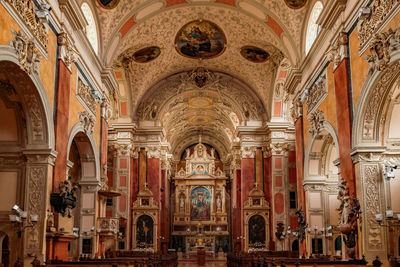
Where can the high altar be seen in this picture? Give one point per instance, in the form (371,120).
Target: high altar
(200,208)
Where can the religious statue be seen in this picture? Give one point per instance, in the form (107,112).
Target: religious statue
(219,202)
(182,203)
(64,201)
(349,212)
(301,228)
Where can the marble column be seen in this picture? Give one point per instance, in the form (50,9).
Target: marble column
(301,203)
(62,110)
(343,101)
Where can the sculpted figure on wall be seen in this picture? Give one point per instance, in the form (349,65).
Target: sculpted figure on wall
(349,212)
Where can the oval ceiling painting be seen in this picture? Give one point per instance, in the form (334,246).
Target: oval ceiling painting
(146,54)
(109,4)
(295,3)
(254,54)
(200,39)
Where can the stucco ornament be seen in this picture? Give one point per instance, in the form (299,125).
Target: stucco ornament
(380,49)
(316,119)
(373,18)
(26,11)
(88,121)
(28,55)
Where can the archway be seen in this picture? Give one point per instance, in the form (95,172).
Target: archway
(26,132)
(321,177)
(83,172)
(375,138)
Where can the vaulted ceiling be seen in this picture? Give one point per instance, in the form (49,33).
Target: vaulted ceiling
(163,89)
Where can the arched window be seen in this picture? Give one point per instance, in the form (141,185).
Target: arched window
(91,30)
(312,28)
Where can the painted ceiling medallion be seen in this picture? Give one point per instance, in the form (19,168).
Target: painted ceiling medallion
(200,39)
(295,3)
(200,120)
(200,102)
(146,54)
(254,54)
(109,4)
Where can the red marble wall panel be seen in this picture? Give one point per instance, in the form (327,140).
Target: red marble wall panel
(278,163)
(292,156)
(248,177)
(110,178)
(122,181)
(279,203)
(123,163)
(342,89)
(293,222)
(292,176)
(153,177)
(278,181)
(122,203)
(61,122)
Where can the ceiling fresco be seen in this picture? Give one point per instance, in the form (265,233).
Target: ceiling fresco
(235,26)
(200,39)
(254,54)
(146,54)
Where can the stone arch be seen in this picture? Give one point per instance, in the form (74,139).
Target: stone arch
(326,129)
(370,108)
(24,82)
(84,170)
(79,128)
(8,54)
